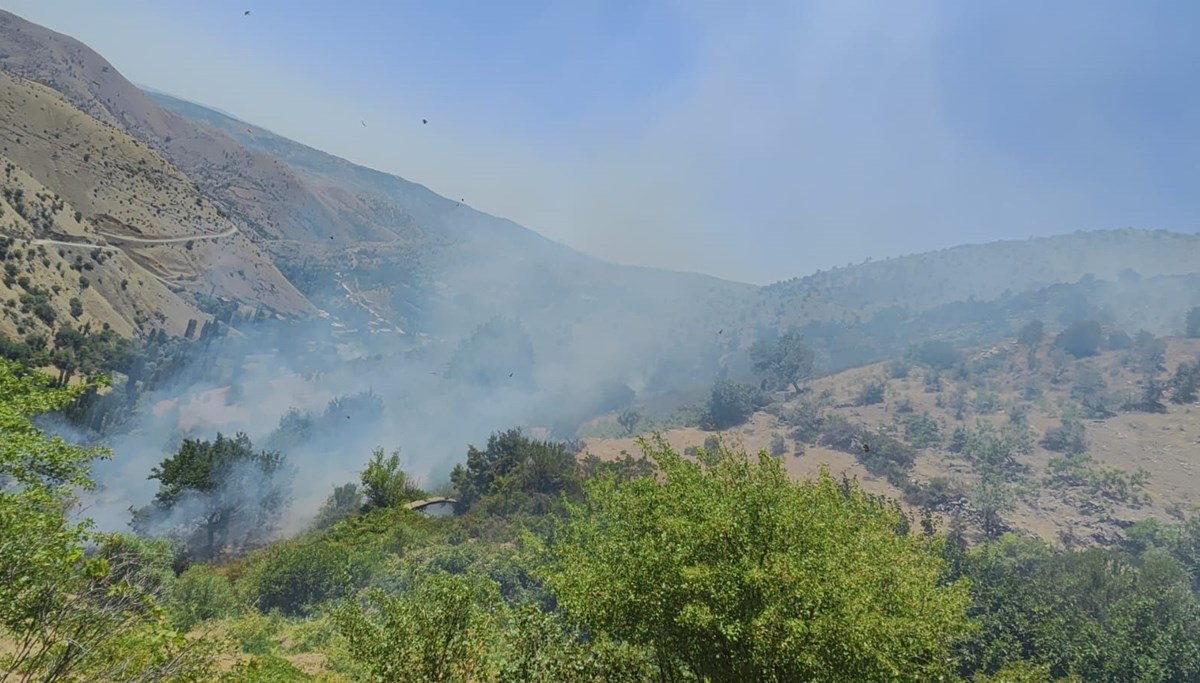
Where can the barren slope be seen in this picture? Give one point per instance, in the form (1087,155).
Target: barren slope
(122,193)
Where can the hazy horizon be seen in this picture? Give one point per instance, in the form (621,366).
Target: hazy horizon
(754,145)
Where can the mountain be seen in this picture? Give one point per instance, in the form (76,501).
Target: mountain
(89,198)
(377,251)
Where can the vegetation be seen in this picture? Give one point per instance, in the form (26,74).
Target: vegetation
(784,361)
(218,494)
(69,613)
(730,404)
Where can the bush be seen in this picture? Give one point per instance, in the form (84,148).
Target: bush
(294,576)
(898,368)
(778,445)
(1185,384)
(1081,339)
(1031,334)
(1068,437)
(939,355)
(871,393)
(200,594)
(76,307)
(343,502)
(922,431)
(385,485)
(806,421)
(731,404)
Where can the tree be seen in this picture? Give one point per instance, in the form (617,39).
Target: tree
(67,614)
(783,361)
(730,404)
(384,484)
(1031,334)
(1081,339)
(345,500)
(936,354)
(629,419)
(76,307)
(730,571)
(218,493)
(1069,437)
(1097,614)
(516,472)
(1185,383)
(1191,325)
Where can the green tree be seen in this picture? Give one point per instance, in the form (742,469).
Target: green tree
(345,500)
(629,419)
(219,493)
(730,404)
(936,354)
(1031,334)
(785,361)
(76,307)
(730,571)
(1098,614)
(1185,383)
(1081,339)
(517,472)
(67,614)
(384,483)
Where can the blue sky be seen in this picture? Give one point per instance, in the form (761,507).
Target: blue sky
(755,141)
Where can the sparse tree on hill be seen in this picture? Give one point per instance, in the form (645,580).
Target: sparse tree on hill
(785,361)
(1081,339)
(1031,334)
(629,419)
(1185,383)
(498,353)
(730,404)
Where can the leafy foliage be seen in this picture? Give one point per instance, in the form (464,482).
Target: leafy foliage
(1097,614)
(783,361)
(384,484)
(1031,334)
(1081,339)
(219,493)
(516,472)
(72,615)
(730,571)
(730,404)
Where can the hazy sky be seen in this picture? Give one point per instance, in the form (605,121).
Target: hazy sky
(752,140)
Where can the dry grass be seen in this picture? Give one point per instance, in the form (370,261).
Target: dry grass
(1165,445)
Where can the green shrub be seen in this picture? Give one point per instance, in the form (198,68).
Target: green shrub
(200,594)
(922,431)
(731,403)
(294,576)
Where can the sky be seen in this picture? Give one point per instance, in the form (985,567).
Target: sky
(754,141)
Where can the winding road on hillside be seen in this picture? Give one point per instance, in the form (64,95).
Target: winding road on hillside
(137,240)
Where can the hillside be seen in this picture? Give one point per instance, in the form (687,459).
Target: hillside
(112,193)
(1129,463)
(380,253)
